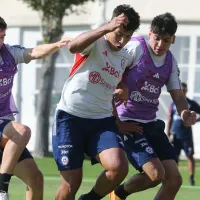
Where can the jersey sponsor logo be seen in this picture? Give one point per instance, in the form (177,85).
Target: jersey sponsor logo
(95,77)
(65,160)
(156,75)
(149,150)
(5,81)
(112,71)
(137,96)
(150,88)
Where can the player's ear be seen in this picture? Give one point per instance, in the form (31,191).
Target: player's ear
(173,40)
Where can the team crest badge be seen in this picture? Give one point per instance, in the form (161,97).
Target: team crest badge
(149,150)
(123,64)
(65,160)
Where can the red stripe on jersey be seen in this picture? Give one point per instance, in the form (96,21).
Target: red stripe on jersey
(79,59)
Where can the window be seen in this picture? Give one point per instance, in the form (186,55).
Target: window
(198,51)
(180,49)
(63,66)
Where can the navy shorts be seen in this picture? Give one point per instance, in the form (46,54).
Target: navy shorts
(186,144)
(153,143)
(25,154)
(74,136)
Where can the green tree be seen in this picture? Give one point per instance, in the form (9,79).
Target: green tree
(51,14)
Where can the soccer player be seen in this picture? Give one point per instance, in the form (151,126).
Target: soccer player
(16,159)
(151,152)
(182,135)
(84,121)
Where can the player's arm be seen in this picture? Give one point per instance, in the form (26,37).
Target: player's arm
(84,40)
(126,127)
(121,94)
(174,88)
(179,100)
(43,50)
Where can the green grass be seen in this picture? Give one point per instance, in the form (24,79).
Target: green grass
(52,181)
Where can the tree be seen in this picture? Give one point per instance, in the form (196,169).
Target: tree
(51,14)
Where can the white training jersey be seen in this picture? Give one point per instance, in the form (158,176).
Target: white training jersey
(96,72)
(174,81)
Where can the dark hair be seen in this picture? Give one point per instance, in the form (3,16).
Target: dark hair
(3,24)
(184,84)
(133,16)
(164,24)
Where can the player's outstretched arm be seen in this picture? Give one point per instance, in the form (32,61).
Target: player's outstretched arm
(188,116)
(43,50)
(179,100)
(84,40)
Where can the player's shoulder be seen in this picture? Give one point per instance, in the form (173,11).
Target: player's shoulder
(174,60)
(14,48)
(133,45)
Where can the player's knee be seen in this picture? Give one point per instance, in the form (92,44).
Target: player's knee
(157,176)
(118,171)
(25,133)
(69,189)
(174,182)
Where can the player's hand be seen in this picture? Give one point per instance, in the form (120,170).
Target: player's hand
(121,96)
(129,127)
(116,22)
(188,117)
(64,42)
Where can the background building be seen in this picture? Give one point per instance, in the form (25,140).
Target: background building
(24,29)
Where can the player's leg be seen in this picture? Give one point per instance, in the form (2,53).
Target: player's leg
(68,149)
(70,183)
(166,153)
(27,170)
(171,184)
(143,158)
(177,146)
(14,138)
(105,148)
(153,174)
(188,148)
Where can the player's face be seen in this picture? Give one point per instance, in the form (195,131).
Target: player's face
(118,38)
(2,36)
(160,45)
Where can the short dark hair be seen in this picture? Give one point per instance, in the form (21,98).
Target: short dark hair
(3,24)
(133,16)
(184,84)
(164,24)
